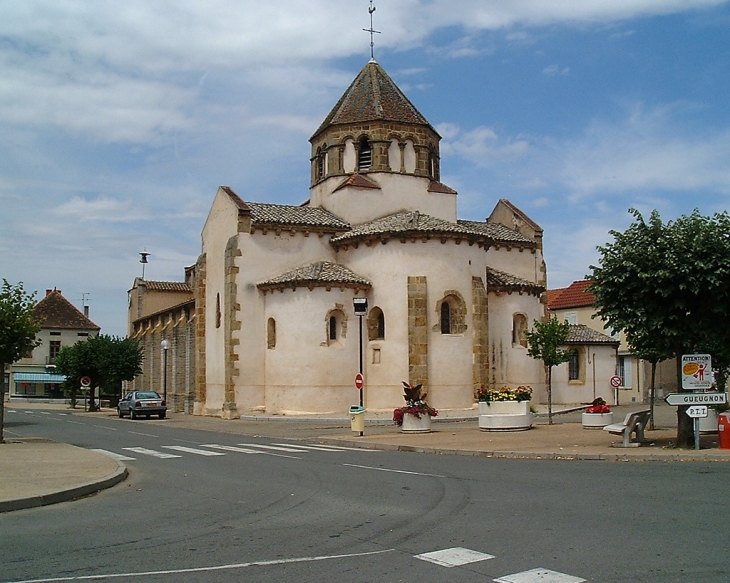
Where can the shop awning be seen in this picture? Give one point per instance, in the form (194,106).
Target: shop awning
(38,377)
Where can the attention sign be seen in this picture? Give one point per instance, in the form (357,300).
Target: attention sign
(696,372)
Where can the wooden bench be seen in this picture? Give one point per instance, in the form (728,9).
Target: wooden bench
(633,423)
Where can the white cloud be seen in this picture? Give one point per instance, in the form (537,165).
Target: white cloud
(554,70)
(481,145)
(102,209)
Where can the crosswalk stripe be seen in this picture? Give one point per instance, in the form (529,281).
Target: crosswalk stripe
(309,447)
(327,447)
(152,452)
(192,450)
(230,448)
(116,456)
(274,447)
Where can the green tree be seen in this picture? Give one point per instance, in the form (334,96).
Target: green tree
(17,332)
(106,360)
(543,343)
(667,285)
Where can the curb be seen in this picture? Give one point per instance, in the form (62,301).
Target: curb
(79,491)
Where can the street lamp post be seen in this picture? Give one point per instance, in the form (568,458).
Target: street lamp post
(165,348)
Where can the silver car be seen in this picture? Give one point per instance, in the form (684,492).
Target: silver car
(139,403)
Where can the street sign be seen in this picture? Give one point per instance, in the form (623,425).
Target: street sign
(676,399)
(615,381)
(697,411)
(85,381)
(359,381)
(696,372)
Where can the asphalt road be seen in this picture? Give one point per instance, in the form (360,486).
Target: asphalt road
(328,515)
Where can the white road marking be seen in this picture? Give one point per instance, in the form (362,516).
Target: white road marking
(116,456)
(45,413)
(394,471)
(152,452)
(230,448)
(74,422)
(63,414)
(105,427)
(205,569)
(454,557)
(192,450)
(144,434)
(309,447)
(339,447)
(274,447)
(29,412)
(539,575)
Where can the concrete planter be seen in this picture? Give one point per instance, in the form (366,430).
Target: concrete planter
(412,424)
(597,420)
(709,424)
(505,416)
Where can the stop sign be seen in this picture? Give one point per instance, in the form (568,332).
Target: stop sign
(359,381)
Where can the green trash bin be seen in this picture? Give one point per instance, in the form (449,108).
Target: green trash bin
(357,418)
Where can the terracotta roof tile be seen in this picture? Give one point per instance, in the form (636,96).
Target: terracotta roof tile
(359,181)
(582,334)
(55,311)
(372,96)
(318,274)
(168,286)
(573,296)
(502,281)
(264,214)
(440,187)
(498,232)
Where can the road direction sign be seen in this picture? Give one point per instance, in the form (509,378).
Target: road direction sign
(697,411)
(615,381)
(676,399)
(359,381)
(696,372)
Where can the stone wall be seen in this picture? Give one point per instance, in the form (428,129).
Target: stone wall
(417,331)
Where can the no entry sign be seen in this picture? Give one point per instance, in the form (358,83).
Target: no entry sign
(359,381)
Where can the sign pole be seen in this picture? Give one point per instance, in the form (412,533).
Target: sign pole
(362,389)
(697,432)
(360,306)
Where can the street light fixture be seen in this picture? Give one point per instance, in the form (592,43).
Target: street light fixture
(165,348)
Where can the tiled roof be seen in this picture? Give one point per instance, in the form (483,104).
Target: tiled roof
(55,311)
(373,96)
(359,181)
(441,188)
(318,274)
(498,232)
(573,296)
(263,214)
(502,281)
(582,334)
(167,286)
(410,224)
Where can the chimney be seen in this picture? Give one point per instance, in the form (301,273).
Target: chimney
(48,292)
(86,311)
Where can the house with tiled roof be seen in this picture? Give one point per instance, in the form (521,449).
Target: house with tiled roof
(576,304)
(62,324)
(449,299)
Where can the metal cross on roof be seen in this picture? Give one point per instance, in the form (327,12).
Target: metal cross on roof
(371,31)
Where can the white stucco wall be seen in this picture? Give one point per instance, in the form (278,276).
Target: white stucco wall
(397,192)
(598,358)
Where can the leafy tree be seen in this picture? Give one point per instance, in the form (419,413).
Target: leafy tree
(543,343)
(106,360)
(668,286)
(17,332)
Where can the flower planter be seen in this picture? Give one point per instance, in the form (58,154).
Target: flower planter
(412,424)
(597,420)
(505,416)
(709,424)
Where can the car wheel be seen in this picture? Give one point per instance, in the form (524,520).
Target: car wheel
(132,414)
(119,412)
(162,415)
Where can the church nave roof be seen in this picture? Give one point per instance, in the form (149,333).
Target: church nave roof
(498,232)
(501,281)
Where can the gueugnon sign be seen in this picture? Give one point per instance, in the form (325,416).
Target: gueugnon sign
(676,399)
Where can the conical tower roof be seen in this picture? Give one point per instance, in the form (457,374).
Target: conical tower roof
(373,96)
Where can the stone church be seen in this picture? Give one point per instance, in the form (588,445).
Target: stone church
(269,312)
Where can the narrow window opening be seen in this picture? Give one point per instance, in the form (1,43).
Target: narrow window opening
(445,318)
(574,366)
(365,155)
(333,328)
(271,334)
(218,311)
(376,324)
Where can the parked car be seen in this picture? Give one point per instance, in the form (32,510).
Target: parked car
(145,403)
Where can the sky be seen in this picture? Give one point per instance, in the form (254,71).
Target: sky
(119,120)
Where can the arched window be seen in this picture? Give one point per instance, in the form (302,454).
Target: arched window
(365,155)
(451,310)
(319,169)
(445,317)
(376,324)
(519,329)
(218,311)
(271,333)
(333,328)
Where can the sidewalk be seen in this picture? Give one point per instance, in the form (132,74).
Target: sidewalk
(37,472)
